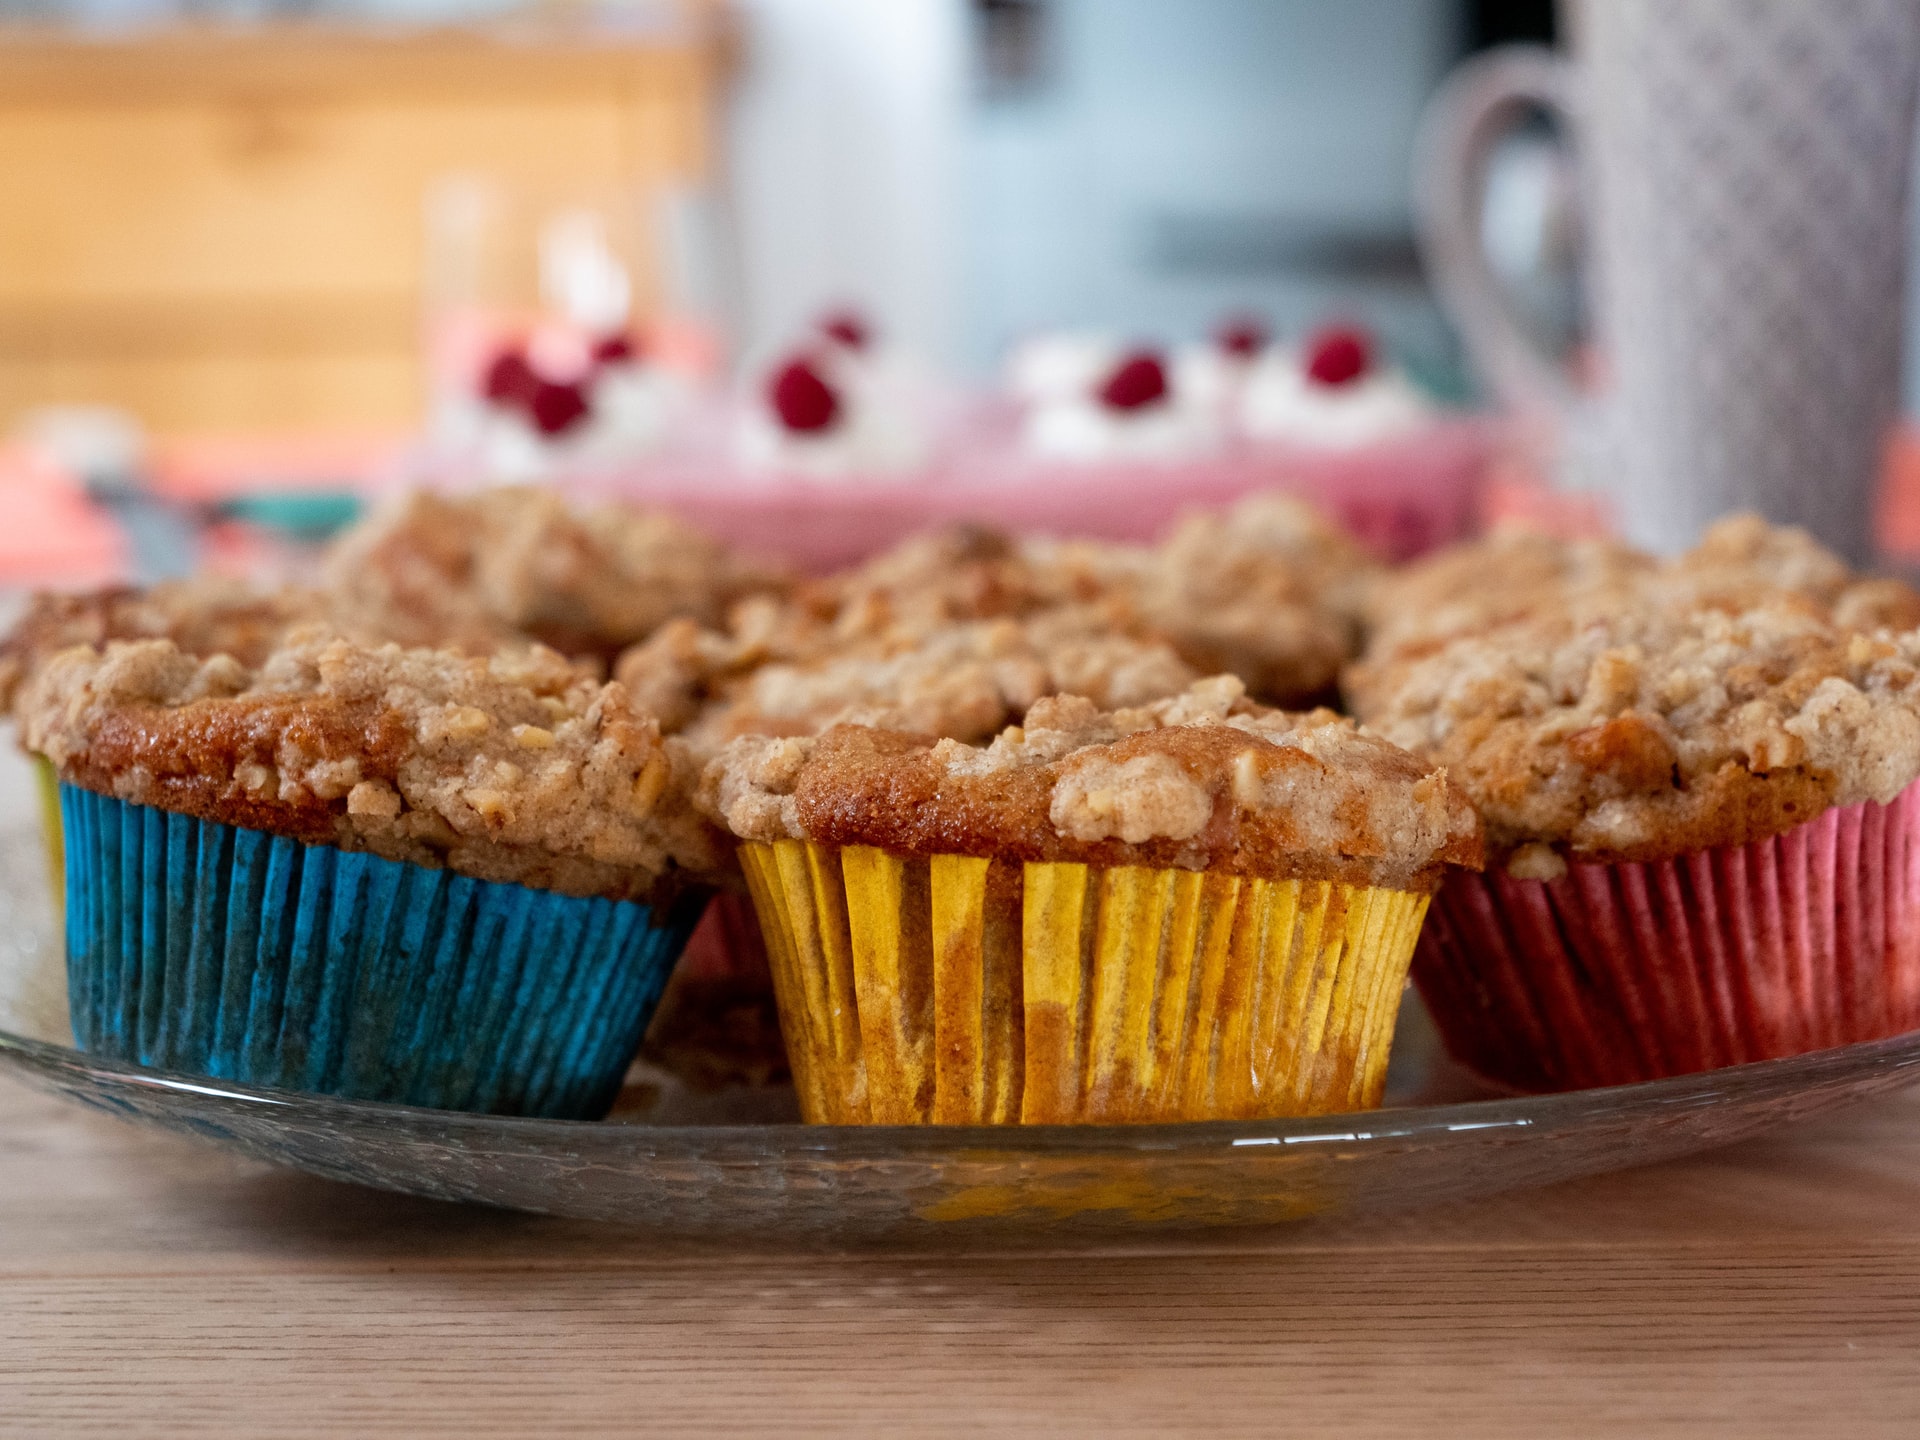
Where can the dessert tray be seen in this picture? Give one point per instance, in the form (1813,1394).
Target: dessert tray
(733,1167)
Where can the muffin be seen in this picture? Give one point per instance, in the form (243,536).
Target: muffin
(1196,908)
(1269,590)
(512,564)
(204,615)
(955,632)
(1469,590)
(1696,792)
(401,875)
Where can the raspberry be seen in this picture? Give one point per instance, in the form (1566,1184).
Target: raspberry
(1243,337)
(616,349)
(556,408)
(846,327)
(801,397)
(1338,355)
(509,379)
(1140,379)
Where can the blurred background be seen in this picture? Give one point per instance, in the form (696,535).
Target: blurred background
(251,243)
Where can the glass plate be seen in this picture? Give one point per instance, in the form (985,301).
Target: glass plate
(788,1184)
(733,1168)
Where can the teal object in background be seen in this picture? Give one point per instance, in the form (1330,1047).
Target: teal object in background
(302,514)
(213,950)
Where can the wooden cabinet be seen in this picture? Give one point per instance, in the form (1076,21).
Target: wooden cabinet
(224,231)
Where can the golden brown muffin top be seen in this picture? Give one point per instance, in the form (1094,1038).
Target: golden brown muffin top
(944,577)
(204,615)
(1270,590)
(1203,781)
(1600,703)
(482,570)
(1659,730)
(517,767)
(1742,561)
(1477,586)
(963,681)
(955,632)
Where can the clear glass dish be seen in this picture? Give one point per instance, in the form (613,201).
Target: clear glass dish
(735,1169)
(786,1184)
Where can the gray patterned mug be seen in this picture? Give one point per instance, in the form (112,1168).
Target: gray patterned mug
(1743,168)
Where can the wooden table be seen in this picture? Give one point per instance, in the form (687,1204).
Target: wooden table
(152,1287)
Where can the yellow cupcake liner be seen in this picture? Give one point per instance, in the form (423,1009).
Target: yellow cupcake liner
(52,831)
(957,990)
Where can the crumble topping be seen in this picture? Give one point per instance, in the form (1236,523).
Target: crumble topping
(514,563)
(1659,730)
(204,615)
(1513,576)
(964,681)
(1202,780)
(956,632)
(1269,590)
(517,767)
(1598,702)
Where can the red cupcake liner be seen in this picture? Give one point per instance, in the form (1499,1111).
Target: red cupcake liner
(1613,974)
(726,945)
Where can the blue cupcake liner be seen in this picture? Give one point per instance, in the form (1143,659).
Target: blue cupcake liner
(210,949)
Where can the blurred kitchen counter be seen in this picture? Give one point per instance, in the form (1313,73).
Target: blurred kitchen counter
(152,1287)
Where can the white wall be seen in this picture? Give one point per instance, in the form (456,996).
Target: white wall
(1222,116)
(865,169)
(845,160)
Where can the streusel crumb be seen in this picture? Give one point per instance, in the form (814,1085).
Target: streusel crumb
(1204,780)
(1599,703)
(963,681)
(507,564)
(205,615)
(1658,731)
(1741,562)
(1269,590)
(518,767)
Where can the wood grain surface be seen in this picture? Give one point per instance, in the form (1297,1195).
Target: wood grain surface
(220,228)
(152,1287)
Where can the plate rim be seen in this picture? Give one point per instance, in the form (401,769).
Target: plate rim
(772,1142)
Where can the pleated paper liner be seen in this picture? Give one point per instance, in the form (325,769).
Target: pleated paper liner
(956,990)
(232,953)
(46,784)
(1619,973)
(718,1024)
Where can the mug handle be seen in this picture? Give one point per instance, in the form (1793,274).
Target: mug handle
(1479,104)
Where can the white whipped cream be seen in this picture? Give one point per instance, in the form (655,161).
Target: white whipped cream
(1084,429)
(1211,378)
(1059,378)
(1279,402)
(634,410)
(1061,366)
(878,434)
